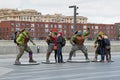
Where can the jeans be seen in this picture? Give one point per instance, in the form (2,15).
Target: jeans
(102,52)
(60,57)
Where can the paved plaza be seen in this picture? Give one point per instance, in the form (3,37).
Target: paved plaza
(64,71)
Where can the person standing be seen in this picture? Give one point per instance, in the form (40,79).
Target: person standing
(60,45)
(101,45)
(107,48)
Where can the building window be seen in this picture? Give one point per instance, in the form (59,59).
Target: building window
(62,20)
(51,26)
(65,26)
(46,30)
(27,24)
(23,24)
(107,31)
(12,24)
(17,29)
(64,31)
(12,29)
(17,24)
(21,18)
(55,26)
(32,29)
(72,27)
(100,27)
(59,30)
(96,31)
(84,27)
(46,25)
(59,26)
(53,20)
(107,27)
(32,25)
(80,27)
(37,25)
(111,27)
(92,27)
(96,27)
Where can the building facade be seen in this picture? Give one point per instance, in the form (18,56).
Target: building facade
(17,15)
(12,20)
(59,18)
(39,30)
(118,25)
(35,16)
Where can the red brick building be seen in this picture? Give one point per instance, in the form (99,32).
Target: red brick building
(118,25)
(39,30)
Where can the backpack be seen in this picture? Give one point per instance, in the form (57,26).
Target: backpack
(63,42)
(15,36)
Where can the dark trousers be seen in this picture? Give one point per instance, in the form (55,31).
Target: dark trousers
(108,54)
(59,55)
(55,55)
(102,53)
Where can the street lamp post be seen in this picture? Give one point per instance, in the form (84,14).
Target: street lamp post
(75,8)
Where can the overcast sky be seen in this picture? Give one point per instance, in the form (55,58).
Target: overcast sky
(97,11)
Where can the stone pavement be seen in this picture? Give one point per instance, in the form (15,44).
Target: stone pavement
(64,71)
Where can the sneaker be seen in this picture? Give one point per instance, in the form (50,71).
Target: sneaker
(17,62)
